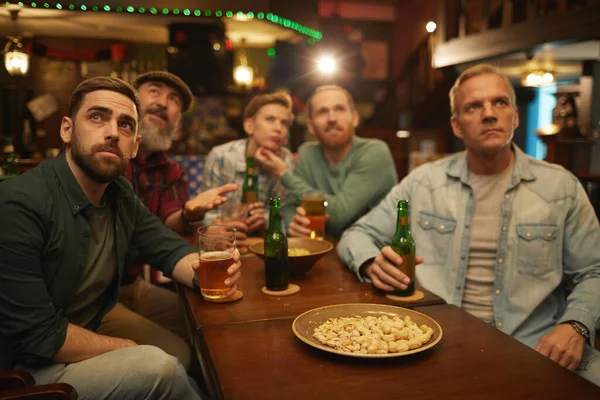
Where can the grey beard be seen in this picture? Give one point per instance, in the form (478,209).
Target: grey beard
(156,139)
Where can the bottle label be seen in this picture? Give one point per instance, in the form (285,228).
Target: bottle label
(408,266)
(404,220)
(249,197)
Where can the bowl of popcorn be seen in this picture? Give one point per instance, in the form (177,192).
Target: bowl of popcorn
(303,253)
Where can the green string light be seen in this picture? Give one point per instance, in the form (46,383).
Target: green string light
(314,34)
(20,4)
(271,52)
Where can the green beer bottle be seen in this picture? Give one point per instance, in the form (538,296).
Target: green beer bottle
(250,187)
(277,268)
(404,245)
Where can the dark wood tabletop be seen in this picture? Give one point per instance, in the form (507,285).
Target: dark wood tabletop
(328,282)
(264,360)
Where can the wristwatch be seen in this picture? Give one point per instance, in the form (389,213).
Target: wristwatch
(581,329)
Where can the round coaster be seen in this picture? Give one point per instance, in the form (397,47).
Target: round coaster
(236,296)
(417,295)
(291,289)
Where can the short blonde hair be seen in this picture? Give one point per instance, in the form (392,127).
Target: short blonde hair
(477,70)
(329,87)
(261,100)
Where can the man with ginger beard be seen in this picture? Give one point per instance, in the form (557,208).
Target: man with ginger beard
(355,173)
(68,228)
(147,313)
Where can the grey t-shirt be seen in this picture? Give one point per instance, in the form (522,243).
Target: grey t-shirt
(488,190)
(99,269)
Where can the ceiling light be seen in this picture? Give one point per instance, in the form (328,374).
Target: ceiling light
(243,75)
(431,26)
(538,78)
(326,65)
(16,60)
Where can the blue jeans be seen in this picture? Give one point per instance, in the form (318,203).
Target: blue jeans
(138,372)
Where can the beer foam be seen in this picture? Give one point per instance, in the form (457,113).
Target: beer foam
(216,255)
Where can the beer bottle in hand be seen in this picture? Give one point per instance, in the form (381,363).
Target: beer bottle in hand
(250,187)
(277,268)
(404,245)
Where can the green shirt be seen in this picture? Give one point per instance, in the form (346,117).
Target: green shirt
(353,186)
(44,243)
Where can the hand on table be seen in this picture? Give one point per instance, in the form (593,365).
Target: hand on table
(562,345)
(384,272)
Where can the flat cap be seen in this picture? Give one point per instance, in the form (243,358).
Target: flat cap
(172,80)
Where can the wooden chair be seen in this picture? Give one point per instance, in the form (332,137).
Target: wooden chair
(20,385)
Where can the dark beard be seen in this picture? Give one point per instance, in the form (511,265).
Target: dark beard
(98,171)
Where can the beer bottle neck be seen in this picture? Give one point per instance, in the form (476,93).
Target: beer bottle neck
(275,222)
(403,224)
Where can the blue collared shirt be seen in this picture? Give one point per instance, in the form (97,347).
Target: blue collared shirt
(549,234)
(227,164)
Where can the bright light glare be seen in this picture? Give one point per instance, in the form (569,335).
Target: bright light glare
(243,75)
(326,64)
(430,26)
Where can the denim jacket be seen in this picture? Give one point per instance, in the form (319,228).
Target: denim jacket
(549,234)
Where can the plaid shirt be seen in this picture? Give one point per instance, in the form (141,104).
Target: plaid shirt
(161,185)
(227,164)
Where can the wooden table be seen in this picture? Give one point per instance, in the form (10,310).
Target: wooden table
(264,360)
(328,282)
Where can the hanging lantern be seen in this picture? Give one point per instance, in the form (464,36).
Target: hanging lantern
(16,62)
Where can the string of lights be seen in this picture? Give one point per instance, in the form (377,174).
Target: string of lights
(187,12)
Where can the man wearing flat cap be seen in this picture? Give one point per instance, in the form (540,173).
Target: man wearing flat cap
(146,313)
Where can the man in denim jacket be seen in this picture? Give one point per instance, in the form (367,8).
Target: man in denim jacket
(500,233)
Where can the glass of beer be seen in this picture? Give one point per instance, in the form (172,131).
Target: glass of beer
(315,205)
(216,244)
